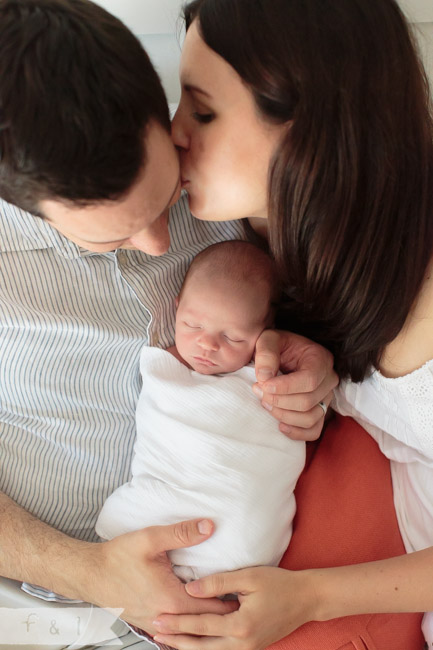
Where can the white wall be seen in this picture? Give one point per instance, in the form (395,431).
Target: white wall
(156,23)
(418,11)
(424,34)
(420,14)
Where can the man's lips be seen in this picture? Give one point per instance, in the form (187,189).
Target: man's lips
(206,362)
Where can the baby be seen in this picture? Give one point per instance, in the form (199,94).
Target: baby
(205,446)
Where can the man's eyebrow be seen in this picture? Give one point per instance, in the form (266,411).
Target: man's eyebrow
(116,241)
(191,88)
(122,239)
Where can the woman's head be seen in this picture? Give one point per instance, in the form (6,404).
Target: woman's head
(349,176)
(225,145)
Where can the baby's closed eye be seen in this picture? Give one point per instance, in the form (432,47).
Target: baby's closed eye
(192,326)
(233,340)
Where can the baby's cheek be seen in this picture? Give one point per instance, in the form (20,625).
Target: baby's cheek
(244,357)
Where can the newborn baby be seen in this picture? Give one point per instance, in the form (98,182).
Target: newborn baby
(205,446)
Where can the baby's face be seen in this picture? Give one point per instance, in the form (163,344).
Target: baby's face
(217,327)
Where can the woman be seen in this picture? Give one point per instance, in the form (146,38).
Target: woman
(312,119)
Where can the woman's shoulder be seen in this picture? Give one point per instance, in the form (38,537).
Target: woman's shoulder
(413,346)
(398,407)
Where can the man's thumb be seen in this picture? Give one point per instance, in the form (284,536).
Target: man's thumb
(182,534)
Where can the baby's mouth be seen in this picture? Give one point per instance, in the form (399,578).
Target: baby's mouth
(206,362)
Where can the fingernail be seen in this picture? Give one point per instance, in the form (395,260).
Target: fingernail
(193,588)
(264,373)
(204,527)
(267,406)
(257,391)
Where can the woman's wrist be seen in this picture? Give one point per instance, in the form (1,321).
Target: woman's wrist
(343,591)
(326,602)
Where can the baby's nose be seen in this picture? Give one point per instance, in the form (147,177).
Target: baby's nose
(208,342)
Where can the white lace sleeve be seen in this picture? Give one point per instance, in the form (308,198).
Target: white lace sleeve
(402,408)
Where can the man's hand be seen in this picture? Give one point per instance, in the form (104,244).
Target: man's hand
(293,398)
(133,572)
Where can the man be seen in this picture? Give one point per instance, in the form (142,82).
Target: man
(88,174)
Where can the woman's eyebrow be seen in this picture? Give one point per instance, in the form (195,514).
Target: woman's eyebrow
(196,89)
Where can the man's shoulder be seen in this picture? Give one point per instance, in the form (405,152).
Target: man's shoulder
(11,220)
(21,232)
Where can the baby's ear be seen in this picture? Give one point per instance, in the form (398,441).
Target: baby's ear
(176,301)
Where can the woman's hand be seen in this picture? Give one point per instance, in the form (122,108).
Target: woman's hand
(273,603)
(293,398)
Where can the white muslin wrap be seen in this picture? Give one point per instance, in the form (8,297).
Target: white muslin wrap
(207,448)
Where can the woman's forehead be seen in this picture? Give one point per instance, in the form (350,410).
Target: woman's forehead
(201,66)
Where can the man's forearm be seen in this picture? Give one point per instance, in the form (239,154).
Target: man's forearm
(32,551)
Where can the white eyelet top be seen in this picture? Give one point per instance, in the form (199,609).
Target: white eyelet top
(398,413)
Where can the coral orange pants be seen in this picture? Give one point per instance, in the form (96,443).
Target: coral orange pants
(346,516)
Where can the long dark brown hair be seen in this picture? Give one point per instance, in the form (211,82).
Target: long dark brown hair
(351,185)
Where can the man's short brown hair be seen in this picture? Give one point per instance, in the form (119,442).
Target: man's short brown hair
(77,91)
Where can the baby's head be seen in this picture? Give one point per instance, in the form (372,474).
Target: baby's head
(226,301)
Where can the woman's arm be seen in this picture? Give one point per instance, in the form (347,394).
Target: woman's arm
(414,344)
(400,584)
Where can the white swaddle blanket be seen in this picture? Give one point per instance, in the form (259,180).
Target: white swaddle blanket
(206,448)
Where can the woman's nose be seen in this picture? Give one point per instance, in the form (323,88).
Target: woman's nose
(179,133)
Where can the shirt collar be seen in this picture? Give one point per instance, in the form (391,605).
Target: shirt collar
(22,231)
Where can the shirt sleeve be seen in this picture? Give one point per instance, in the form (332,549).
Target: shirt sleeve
(398,412)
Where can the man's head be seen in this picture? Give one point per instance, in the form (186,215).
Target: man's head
(226,301)
(84,125)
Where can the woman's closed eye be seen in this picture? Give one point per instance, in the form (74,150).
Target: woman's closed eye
(203,118)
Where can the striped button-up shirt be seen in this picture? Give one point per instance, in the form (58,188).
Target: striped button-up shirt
(72,324)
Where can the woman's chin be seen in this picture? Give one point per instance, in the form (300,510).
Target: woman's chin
(205,213)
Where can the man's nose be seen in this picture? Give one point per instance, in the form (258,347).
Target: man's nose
(179,133)
(208,342)
(153,240)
